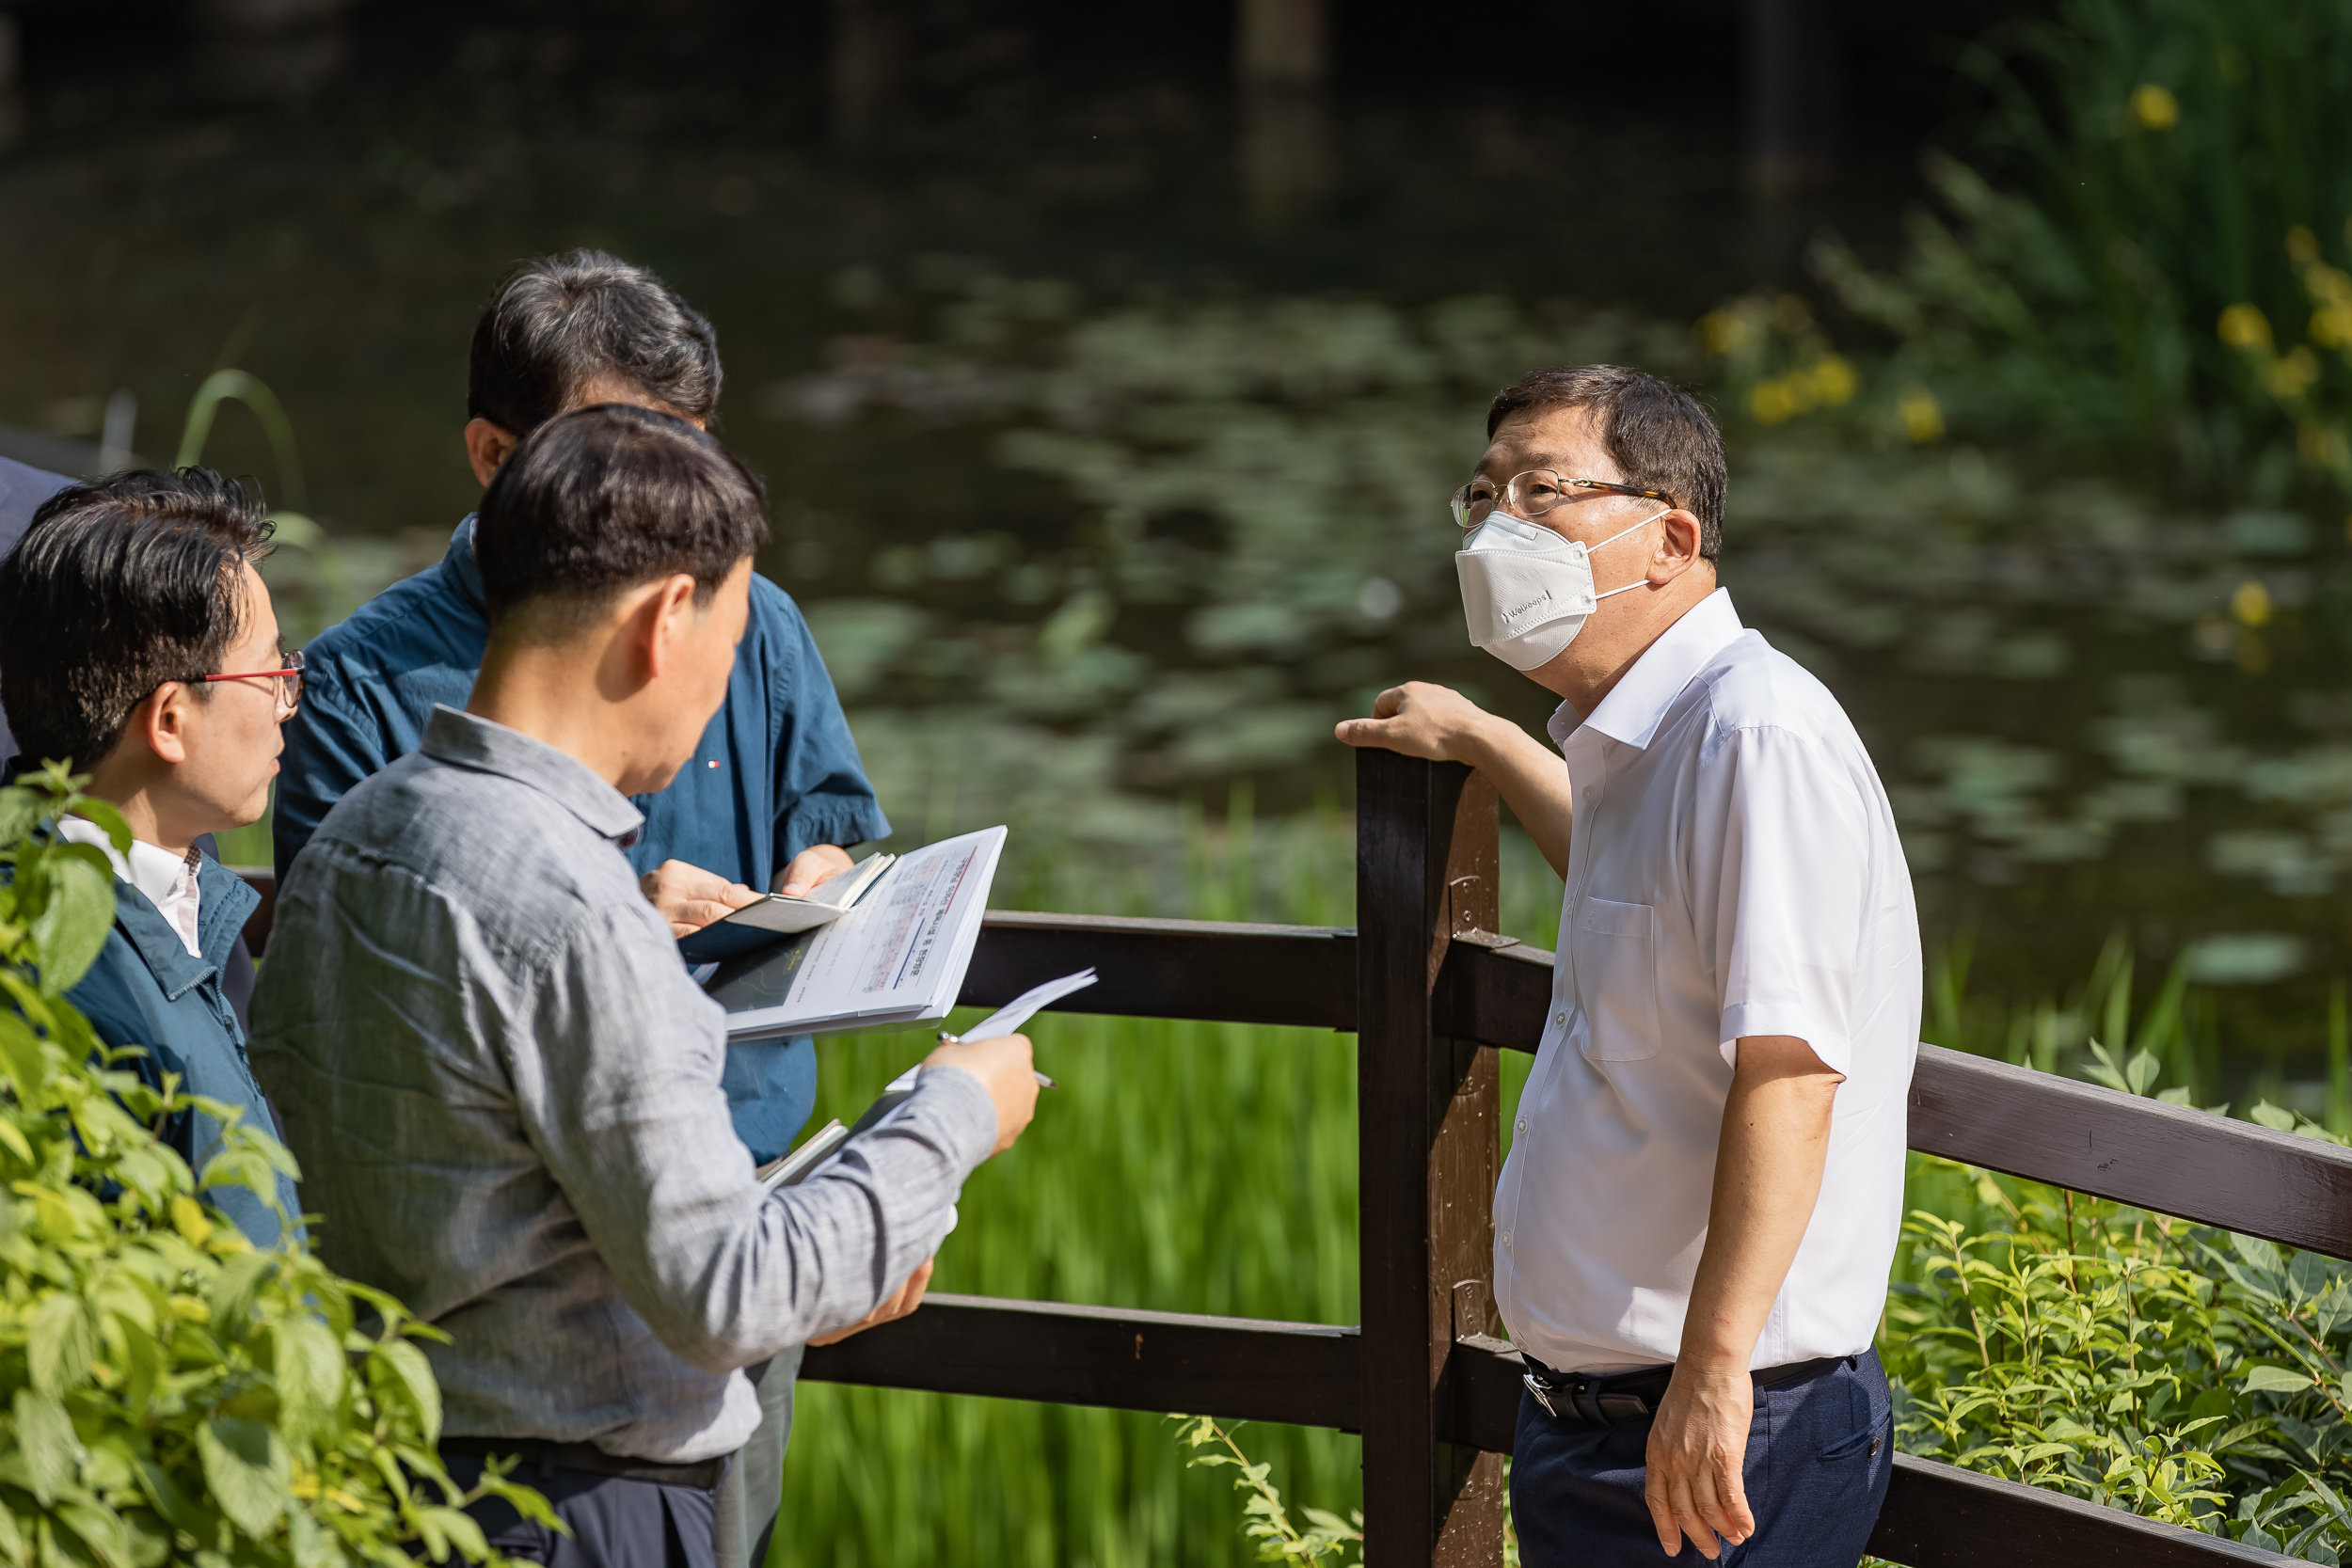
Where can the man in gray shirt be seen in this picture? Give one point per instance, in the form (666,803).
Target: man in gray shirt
(502,1086)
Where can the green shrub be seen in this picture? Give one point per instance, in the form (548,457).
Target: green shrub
(167,1390)
(2134,1360)
(2145,197)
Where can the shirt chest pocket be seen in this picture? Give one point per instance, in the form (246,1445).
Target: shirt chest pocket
(1616,979)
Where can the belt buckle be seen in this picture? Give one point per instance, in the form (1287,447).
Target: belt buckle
(1542,1391)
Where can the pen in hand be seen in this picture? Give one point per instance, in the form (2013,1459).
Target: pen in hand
(1043,1081)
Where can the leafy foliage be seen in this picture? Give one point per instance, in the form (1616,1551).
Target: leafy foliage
(168,1391)
(2133,1360)
(2152,185)
(1265,1520)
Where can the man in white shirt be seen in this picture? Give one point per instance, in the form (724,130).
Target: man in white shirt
(1694,1229)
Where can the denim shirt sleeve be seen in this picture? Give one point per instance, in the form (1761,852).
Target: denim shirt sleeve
(327,751)
(821,785)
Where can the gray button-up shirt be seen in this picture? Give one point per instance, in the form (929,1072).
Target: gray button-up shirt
(503,1089)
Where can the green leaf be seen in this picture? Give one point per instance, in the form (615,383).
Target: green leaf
(309,1368)
(408,1376)
(247,1471)
(2272,1116)
(61,1345)
(2309,1273)
(2276,1380)
(101,1531)
(44,1434)
(20,813)
(77,910)
(105,814)
(2258,1253)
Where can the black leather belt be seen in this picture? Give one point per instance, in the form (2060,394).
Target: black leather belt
(1582,1398)
(543,1458)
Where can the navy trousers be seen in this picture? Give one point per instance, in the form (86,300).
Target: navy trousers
(1819,1454)
(615,1522)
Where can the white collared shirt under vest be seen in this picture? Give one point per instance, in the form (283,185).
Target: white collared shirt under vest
(1734,871)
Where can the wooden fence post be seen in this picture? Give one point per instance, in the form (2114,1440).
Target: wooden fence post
(1427,1121)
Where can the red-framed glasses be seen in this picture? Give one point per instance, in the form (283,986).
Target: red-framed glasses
(288,680)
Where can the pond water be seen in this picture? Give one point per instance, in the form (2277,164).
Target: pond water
(1106,497)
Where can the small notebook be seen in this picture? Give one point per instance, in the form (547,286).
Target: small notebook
(776,916)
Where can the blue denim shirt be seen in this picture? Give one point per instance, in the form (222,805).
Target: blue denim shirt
(147,991)
(777,771)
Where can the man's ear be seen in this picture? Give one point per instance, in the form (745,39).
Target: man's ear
(1679,544)
(667,617)
(488,446)
(160,724)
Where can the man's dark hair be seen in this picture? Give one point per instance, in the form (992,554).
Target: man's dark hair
(561,323)
(116,588)
(606,497)
(1657,434)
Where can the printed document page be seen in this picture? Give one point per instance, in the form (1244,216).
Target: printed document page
(899,956)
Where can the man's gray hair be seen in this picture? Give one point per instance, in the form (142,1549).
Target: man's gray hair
(1659,436)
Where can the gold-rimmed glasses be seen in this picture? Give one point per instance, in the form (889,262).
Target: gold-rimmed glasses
(1532,494)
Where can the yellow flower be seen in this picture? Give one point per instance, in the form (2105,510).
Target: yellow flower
(1833,381)
(2251,604)
(1772,401)
(2155,108)
(2326,284)
(2244,327)
(1726,331)
(2302,245)
(2291,375)
(1922,416)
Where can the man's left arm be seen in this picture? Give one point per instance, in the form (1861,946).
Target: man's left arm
(1781,885)
(1768,1172)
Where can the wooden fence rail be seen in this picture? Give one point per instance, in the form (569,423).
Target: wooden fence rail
(1431,993)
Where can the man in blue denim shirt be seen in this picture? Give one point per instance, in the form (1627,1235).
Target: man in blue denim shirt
(773,794)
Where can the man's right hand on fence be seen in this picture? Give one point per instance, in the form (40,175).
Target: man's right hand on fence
(1439,723)
(1005,1070)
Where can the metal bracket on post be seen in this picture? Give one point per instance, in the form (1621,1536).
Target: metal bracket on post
(1428,1128)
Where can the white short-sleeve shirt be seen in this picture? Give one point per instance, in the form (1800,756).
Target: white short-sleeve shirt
(1734,871)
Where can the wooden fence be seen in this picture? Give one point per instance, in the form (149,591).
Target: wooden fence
(1432,993)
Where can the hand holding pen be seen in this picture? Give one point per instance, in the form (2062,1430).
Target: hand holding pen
(1019,1010)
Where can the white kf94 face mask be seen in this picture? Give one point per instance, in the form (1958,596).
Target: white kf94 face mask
(1526,590)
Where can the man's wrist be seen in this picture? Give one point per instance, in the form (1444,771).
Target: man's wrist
(1714,1359)
(1475,743)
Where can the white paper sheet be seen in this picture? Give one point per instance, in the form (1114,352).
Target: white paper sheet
(1008,1019)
